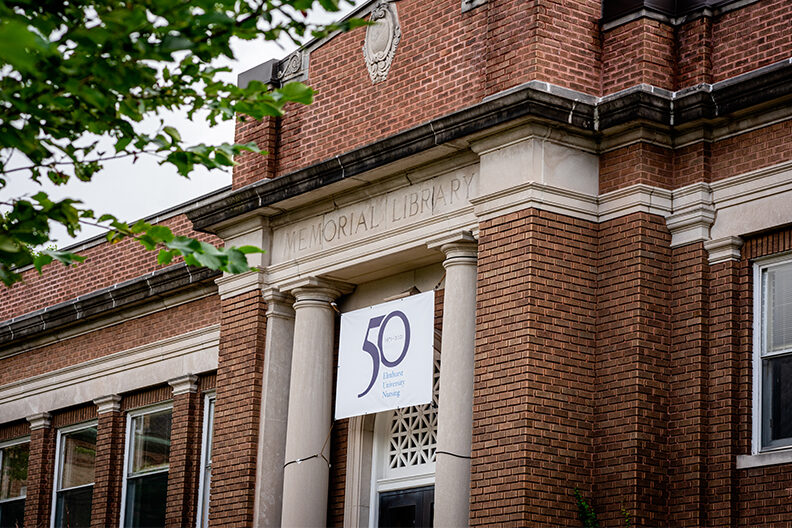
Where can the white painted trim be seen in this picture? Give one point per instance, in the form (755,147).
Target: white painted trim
(59,464)
(759,266)
(14,441)
(205,432)
(192,352)
(405,479)
(128,449)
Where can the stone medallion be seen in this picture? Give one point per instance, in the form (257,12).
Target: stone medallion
(382,37)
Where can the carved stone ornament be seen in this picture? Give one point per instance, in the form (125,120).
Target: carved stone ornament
(382,37)
(291,67)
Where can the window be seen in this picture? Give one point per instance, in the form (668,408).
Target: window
(206,462)
(773,354)
(146,467)
(74,476)
(405,442)
(13,481)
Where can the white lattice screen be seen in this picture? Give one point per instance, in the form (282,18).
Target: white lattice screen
(412,437)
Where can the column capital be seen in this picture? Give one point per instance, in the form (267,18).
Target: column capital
(39,421)
(312,290)
(279,304)
(184,384)
(109,403)
(459,249)
(723,249)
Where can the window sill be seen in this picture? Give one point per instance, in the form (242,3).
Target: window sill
(764,459)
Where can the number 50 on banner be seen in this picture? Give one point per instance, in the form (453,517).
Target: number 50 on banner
(385,356)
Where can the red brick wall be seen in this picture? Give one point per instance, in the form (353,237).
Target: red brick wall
(242,336)
(636,163)
(11,430)
(751,37)
(123,336)
(642,51)
(759,148)
(75,415)
(439,58)
(694,53)
(533,395)
(105,265)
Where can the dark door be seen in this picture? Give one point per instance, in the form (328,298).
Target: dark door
(407,508)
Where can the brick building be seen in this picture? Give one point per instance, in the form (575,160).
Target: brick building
(598,192)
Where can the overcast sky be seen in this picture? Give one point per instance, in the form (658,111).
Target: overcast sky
(136,190)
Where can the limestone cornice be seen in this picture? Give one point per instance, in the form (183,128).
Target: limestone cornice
(230,285)
(655,112)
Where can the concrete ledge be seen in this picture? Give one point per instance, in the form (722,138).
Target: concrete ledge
(764,459)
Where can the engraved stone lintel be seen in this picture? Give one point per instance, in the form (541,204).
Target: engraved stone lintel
(382,38)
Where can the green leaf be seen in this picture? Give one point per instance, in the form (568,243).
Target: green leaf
(172,132)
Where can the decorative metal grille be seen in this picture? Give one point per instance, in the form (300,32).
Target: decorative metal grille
(412,437)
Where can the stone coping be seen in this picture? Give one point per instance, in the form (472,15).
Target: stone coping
(157,284)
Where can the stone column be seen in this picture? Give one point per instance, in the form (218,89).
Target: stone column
(38,502)
(185,452)
(108,475)
(305,479)
(274,408)
(455,407)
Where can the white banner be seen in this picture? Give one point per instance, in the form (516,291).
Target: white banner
(385,356)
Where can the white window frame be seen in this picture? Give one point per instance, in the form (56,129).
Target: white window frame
(59,463)
(128,446)
(400,479)
(11,443)
(202,512)
(759,303)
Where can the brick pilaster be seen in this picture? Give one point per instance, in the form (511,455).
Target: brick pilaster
(40,471)
(632,370)
(185,453)
(688,386)
(723,387)
(534,381)
(237,407)
(253,167)
(108,475)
